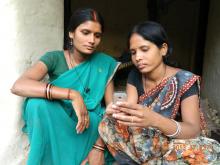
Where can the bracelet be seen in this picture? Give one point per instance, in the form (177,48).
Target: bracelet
(68,94)
(99,147)
(178,130)
(48,92)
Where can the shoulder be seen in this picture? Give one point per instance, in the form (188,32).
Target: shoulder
(55,53)
(186,75)
(134,71)
(51,58)
(180,73)
(134,76)
(52,55)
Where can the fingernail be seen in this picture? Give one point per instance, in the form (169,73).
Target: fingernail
(114,106)
(118,102)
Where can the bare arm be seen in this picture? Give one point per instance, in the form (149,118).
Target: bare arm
(109,92)
(140,116)
(190,125)
(30,85)
(132,94)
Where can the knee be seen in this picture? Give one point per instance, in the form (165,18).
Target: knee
(36,106)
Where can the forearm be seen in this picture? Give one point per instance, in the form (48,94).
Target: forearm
(169,127)
(33,88)
(109,93)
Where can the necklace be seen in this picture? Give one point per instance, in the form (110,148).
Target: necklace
(85,89)
(144,79)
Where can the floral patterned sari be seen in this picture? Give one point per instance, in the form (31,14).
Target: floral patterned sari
(133,145)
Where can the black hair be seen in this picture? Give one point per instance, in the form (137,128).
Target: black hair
(153,32)
(80,16)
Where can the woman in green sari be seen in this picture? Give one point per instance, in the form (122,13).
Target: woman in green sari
(161,122)
(62,116)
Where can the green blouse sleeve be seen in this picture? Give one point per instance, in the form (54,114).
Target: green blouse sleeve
(49,60)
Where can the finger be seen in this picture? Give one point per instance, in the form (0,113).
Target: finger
(85,161)
(130,124)
(80,123)
(126,118)
(132,112)
(114,107)
(86,122)
(83,126)
(129,105)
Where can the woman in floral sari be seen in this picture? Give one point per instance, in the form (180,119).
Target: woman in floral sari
(162,109)
(62,116)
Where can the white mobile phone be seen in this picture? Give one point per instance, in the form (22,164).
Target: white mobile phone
(119,96)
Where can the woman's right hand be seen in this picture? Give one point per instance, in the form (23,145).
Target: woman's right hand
(111,109)
(81,111)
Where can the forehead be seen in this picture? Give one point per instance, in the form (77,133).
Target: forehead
(137,40)
(90,25)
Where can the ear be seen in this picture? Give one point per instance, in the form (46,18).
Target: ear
(164,49)
(71,35)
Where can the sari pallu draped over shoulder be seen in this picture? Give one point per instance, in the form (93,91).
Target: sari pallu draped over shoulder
(133,145)
(50,124)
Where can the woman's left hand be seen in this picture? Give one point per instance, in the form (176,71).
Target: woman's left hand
(95,157)
(134,115)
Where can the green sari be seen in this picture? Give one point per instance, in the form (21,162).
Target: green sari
(50,124)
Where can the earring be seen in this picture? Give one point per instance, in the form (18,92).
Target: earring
(71,43)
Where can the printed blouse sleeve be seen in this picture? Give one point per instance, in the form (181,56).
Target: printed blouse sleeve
(193,90)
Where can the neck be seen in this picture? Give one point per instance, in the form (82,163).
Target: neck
(157,75)
(77,57)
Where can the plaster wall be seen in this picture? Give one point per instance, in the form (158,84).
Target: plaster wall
(28,29)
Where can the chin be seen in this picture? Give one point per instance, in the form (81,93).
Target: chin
(88,52)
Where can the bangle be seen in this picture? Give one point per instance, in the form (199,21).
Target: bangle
(68,94)
(50,92)
(178,130)
(46,91)
(99,147)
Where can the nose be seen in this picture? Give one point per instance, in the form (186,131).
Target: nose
(138,56)
(92,39)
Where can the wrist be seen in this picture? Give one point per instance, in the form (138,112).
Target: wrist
(155,120)
(99,148)
(73,94)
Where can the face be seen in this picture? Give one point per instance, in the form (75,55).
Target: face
(86,37)
(145,55)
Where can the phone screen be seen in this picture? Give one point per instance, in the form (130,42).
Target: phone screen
(119,96)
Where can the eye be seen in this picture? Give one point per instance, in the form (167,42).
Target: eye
(85,32)
(144,49)
(98,35)
(132,52)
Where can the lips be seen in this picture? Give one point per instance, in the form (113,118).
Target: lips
(141,67)
(90,47)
